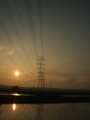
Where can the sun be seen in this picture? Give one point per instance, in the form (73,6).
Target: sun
(16,73)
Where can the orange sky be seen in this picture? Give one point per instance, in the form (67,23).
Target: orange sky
(61,31)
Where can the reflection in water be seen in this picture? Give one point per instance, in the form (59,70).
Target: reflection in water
(40,112)
(63,111)
(14,106)
(16,94)
(0,112)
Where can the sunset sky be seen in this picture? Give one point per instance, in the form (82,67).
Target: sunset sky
(65,30)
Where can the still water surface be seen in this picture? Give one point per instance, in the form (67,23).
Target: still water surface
(63,111)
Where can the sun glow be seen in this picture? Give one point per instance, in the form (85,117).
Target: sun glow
(16,73)
(14,106)
(16,94)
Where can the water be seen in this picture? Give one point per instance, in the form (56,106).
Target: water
(67,111)
(15,94)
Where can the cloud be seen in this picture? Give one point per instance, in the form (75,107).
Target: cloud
(10,52)
(1,47)
(7,49)
(60,74)
(71,80)
(71,83)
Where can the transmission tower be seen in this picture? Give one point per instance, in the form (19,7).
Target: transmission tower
(41,72)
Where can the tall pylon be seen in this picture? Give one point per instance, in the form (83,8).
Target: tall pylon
(41,72)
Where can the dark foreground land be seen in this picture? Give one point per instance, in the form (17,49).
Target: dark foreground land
(8,99)
(36,96)
(51,92)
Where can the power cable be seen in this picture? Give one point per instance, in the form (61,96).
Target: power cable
(40,19)
(15,28)
(27,21)
(31,25)
(13,44)
(14,62)
(22,26)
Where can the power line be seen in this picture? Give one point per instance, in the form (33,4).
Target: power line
(27,21)
(22,26)
(40,19)
(15,29)
(14,62)
(12,44)
(31,25)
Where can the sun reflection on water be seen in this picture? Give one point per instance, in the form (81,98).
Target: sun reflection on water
(16,94)
(14,107)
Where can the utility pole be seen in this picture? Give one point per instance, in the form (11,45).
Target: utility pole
(41,72)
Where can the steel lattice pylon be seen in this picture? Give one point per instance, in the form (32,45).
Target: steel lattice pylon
(41,72)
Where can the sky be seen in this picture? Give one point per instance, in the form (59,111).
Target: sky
(56,29)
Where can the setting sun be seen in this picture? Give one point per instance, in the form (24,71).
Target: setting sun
(16,73)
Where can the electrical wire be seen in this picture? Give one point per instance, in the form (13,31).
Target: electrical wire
(40,19)
(13,44)
(15,29)
(15,62)
(27,21)
(22,27)
(31,25)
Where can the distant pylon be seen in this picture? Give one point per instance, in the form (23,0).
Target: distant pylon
(41,72)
